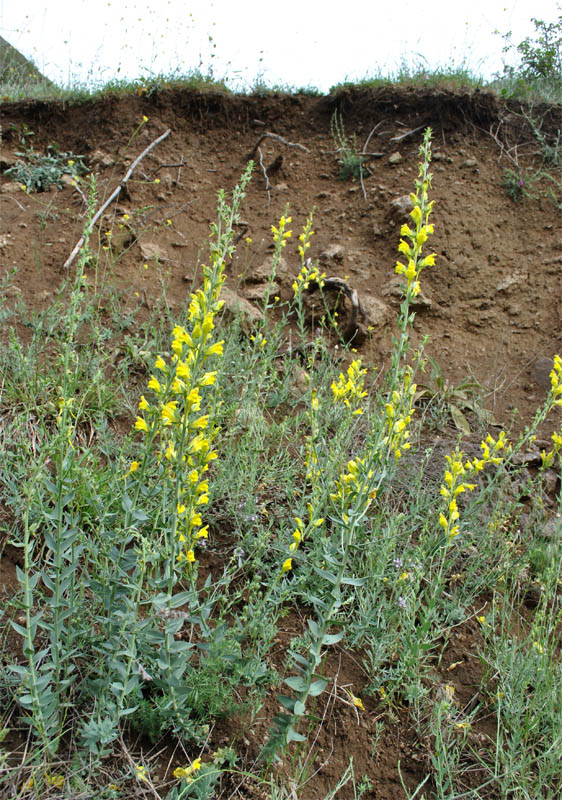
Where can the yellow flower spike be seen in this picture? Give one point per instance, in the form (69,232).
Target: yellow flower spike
(357,702)
(169,412)
(140,773)
(416,213)
(133,468)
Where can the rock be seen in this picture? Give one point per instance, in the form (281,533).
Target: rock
(263,273)
(237,306)
(400,208)
(394,290)
(470,163)
(259,291)
(377,231)
(513,279)
(395,158)
(540,372)
(553,528)
(281,187)
(151,251)
(11,187)
(334,252)
(100,159)
(67,180)
(377,313)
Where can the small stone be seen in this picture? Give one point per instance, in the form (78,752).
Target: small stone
(513,279)
(394,290)
(553,528)
(377,312)
(151,251)
(400,207)
(10,188)
(540,372)
(282,187)
(259,291)
(395,158)
(377,231)
(99,158)
(237,306)
(263,273)
(334,252)
(470,163)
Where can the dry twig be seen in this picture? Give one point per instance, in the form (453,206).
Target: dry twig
(113,196)
(268,135)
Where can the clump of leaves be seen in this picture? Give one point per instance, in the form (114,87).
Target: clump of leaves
(39,171)
(349,158)
(445,402)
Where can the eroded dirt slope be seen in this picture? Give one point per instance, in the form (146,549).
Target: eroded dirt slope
(492,304)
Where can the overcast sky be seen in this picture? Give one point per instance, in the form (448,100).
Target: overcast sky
(291,42)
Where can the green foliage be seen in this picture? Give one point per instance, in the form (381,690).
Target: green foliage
(348,156)
(319,498)
(39,171)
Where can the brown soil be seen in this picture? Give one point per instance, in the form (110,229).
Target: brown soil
(492,304)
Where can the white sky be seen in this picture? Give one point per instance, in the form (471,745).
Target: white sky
(290,42)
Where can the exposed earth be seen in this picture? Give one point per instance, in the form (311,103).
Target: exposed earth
(492,305)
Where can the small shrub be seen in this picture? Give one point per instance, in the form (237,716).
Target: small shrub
(38,172)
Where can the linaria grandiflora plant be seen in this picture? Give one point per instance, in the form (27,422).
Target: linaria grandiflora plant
(337,511)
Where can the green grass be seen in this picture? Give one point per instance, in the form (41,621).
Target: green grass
(154,576)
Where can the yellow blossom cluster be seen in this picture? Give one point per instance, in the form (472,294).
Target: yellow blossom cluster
(350,388)
(350,484)
(308,274)
(413,240)
(454,481)
(188,772)
(547,458)
(398,413)
(556,381)
(280,234)
(174,417)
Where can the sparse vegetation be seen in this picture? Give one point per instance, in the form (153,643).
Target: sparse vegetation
(157,567)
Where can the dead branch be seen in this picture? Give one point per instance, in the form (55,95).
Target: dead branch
(408,133)
(266,176)
(113,196)
(364,154)
(356,308)
(268,135)
(244,226)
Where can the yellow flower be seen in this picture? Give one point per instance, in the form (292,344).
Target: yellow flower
(133,468)
(141,425)
(538,647)
(140,772)
(190,556)
(145,119)
(357,702)
(55,780)
(154,384)
(287,565)
(187,772)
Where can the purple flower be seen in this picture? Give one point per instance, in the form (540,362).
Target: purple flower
(401,602)
(398,563)
(521,182)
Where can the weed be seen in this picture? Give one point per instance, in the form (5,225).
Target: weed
(348,156)
(37,172)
